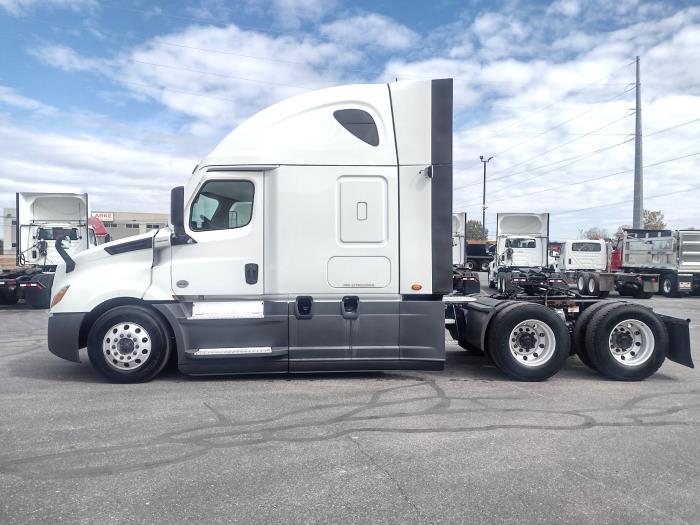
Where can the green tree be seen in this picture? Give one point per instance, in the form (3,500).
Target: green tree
(596,233)
(475,231)
(654,220)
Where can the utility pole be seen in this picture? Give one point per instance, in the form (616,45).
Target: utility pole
(483,199)
(638,207)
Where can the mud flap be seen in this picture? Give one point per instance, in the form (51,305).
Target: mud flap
(678,340)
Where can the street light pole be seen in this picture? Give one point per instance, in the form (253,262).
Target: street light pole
(483,200)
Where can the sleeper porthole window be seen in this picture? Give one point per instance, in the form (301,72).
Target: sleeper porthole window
(222,205)
(359,123)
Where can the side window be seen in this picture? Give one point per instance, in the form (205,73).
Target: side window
(359,123)
(222,205)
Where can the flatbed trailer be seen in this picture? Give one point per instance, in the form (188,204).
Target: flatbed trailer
(316,237)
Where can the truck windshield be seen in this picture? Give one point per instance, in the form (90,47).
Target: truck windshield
(521,243)
(51,234)
(586,247)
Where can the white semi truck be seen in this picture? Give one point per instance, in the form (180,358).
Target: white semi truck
(41,219)
(581,262)
(522,244)
(317,237)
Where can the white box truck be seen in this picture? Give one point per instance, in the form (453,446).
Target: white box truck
(43,218)
(581,260)
(317,237)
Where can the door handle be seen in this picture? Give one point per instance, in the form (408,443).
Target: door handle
(350,307)
(251,273)
(303,307)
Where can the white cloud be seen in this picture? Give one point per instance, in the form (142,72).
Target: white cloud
(114,175)
(375,31)
(21,7)
(291,14)
(10,97)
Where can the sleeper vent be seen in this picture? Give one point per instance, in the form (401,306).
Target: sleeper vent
(359,123)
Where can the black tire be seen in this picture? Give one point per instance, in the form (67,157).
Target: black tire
(578,338)
(470,264)
(499,338)
(8,297)
(597,341)
(157,335)
(592,285)
(485,266)
(641,294)
(582,283)
(669,285)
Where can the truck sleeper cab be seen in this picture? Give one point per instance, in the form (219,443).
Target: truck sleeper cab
(316,236)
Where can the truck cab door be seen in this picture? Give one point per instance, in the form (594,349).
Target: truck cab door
(224,219)
(228,325)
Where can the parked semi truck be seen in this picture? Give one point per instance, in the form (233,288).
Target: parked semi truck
(479,255)
(317,237)
(522,243)
(41,219)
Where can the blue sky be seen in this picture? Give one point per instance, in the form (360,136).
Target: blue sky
(122,98)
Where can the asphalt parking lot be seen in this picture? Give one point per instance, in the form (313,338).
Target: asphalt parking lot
(463,445)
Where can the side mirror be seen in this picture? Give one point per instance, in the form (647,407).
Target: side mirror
(108,238)
(503,257)
(177,216)
(177,211)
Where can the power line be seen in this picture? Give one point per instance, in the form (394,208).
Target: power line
(667,194)
(586,155)
(561,145)
(565,122)
(583,181)
(576,158)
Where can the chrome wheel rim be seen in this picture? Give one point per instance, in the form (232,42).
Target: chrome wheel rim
(470,265)
(667,286)
(126,346)
(581,284)
(591,286)
(532,343)
(631,342)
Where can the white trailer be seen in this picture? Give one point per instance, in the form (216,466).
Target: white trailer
(317,237)
(43,218)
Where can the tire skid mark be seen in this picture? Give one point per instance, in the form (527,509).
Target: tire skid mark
(180,446)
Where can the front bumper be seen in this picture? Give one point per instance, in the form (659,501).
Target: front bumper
(64,335)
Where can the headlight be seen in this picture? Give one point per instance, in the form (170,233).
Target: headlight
(59,296)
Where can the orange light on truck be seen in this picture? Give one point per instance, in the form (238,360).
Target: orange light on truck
(416,287)
(59,296)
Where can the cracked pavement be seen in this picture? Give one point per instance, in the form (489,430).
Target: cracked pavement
(463,445)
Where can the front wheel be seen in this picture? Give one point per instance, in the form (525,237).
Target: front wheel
(528,342)
(129,344)
(485,266)
(470,265)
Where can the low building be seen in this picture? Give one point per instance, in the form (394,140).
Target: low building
(119,224)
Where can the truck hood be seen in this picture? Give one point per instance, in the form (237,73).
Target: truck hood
(116,269)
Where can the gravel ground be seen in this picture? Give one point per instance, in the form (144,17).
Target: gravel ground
(463,445)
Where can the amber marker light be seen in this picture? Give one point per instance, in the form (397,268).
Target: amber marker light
(59,296)
(416,287)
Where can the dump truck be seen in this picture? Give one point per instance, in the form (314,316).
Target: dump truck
(317,237)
